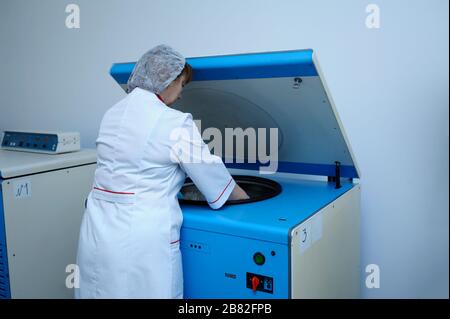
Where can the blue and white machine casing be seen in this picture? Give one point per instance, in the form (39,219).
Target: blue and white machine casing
(41,205)
(309,234)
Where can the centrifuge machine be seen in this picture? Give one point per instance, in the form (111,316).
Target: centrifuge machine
(298,234)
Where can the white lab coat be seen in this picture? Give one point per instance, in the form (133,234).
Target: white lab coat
(129,244)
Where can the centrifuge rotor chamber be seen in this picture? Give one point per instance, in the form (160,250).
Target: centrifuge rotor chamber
(257,188)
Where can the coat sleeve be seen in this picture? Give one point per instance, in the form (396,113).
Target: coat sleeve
(206,170)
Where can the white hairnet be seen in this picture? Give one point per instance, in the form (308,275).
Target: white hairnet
(156,69)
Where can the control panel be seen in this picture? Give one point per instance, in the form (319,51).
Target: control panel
(259,283)
(41,142)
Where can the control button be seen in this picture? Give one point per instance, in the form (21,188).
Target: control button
(255,283)
(267,284)
(259,259)
(258,282)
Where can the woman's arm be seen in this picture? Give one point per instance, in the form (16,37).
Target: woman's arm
(238,193)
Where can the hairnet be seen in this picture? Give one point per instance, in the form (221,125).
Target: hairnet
(156,69)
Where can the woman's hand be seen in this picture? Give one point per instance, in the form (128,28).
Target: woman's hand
(238,194)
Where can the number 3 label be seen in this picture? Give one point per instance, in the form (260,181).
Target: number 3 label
(305,237)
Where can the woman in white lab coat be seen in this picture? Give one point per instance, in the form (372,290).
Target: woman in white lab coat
(129,245)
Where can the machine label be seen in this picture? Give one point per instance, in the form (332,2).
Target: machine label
(305,236)
(310,232)
(232,276)
(22,189)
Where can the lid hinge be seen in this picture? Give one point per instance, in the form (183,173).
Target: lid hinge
(337,175)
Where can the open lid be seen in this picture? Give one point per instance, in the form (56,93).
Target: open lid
(278,100)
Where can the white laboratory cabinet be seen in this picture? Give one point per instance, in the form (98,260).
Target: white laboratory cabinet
(42,200)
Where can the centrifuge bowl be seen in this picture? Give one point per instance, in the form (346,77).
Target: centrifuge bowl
(257,188)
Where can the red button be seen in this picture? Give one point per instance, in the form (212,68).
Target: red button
(255,283)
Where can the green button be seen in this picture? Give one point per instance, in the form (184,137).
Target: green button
(259,259)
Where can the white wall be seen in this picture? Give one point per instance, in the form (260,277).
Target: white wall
(390,87)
